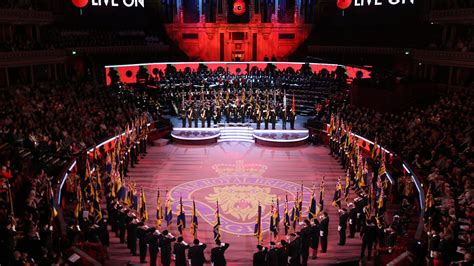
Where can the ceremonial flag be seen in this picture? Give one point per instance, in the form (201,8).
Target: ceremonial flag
(360,176)
(300,203)
(347,186)
(258,225)
(373,152)
(321,197)
(181,218)
(429,207)
(336,202)
(312,205)
(294,214)
(159,210)
(284,99)
(194,221)
(274,221)
(78,209)
(97,208)
(382,168)
(134,198)
(108,162)
(142,211)
(368,206)
(120,189)
(50,195)
(286,221)
(168,211)
(217,224)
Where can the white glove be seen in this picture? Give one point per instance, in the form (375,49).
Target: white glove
(321,233)
(222,244)
(358,215)
(350,221)
(339,228)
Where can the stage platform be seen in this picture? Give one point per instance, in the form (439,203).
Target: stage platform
(239,132)
(239,175)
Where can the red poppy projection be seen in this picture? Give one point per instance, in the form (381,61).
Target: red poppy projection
(344,4)
(80,3)
(239,7)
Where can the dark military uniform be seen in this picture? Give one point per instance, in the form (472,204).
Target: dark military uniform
(165,245)
(179,251)
(294,252)
(217,255)
(352,222)
(369,235)
(196,255)
(343,217)
(132,237)
(259,257)
(153,245)
(315,239)
(305,244)
(324,230)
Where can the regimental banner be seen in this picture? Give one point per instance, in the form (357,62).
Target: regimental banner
(239,189)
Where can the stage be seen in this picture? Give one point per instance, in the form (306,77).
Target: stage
(239,175)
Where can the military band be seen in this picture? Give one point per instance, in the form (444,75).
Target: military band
(250,107)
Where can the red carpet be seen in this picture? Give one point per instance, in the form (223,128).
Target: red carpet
(240,175)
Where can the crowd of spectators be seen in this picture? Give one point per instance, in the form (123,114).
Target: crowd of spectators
(437,142)
(59,120)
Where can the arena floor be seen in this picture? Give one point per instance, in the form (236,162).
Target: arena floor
(239,175)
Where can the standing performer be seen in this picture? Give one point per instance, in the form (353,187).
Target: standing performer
(352,219)
(266,116)
(196,253)
(183,116)
(324,230)
(203,116)
(292,116)
(217,254)
(196,116)
(180,252)
(273,117)
(190,116)
(305,242)
(284,117)
(343,216)
(258,116)
(208,115)
(165,246)
(315,237)
(369,235)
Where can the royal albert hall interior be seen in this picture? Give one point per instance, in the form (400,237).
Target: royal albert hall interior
(237,132)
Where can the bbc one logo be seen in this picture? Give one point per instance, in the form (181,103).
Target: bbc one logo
(109,3)
(344,4)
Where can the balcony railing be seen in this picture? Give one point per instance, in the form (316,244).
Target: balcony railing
(24,16)
(450,58)
(463,15)
(22,58)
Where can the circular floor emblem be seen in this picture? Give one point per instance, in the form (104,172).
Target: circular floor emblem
(238,188)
